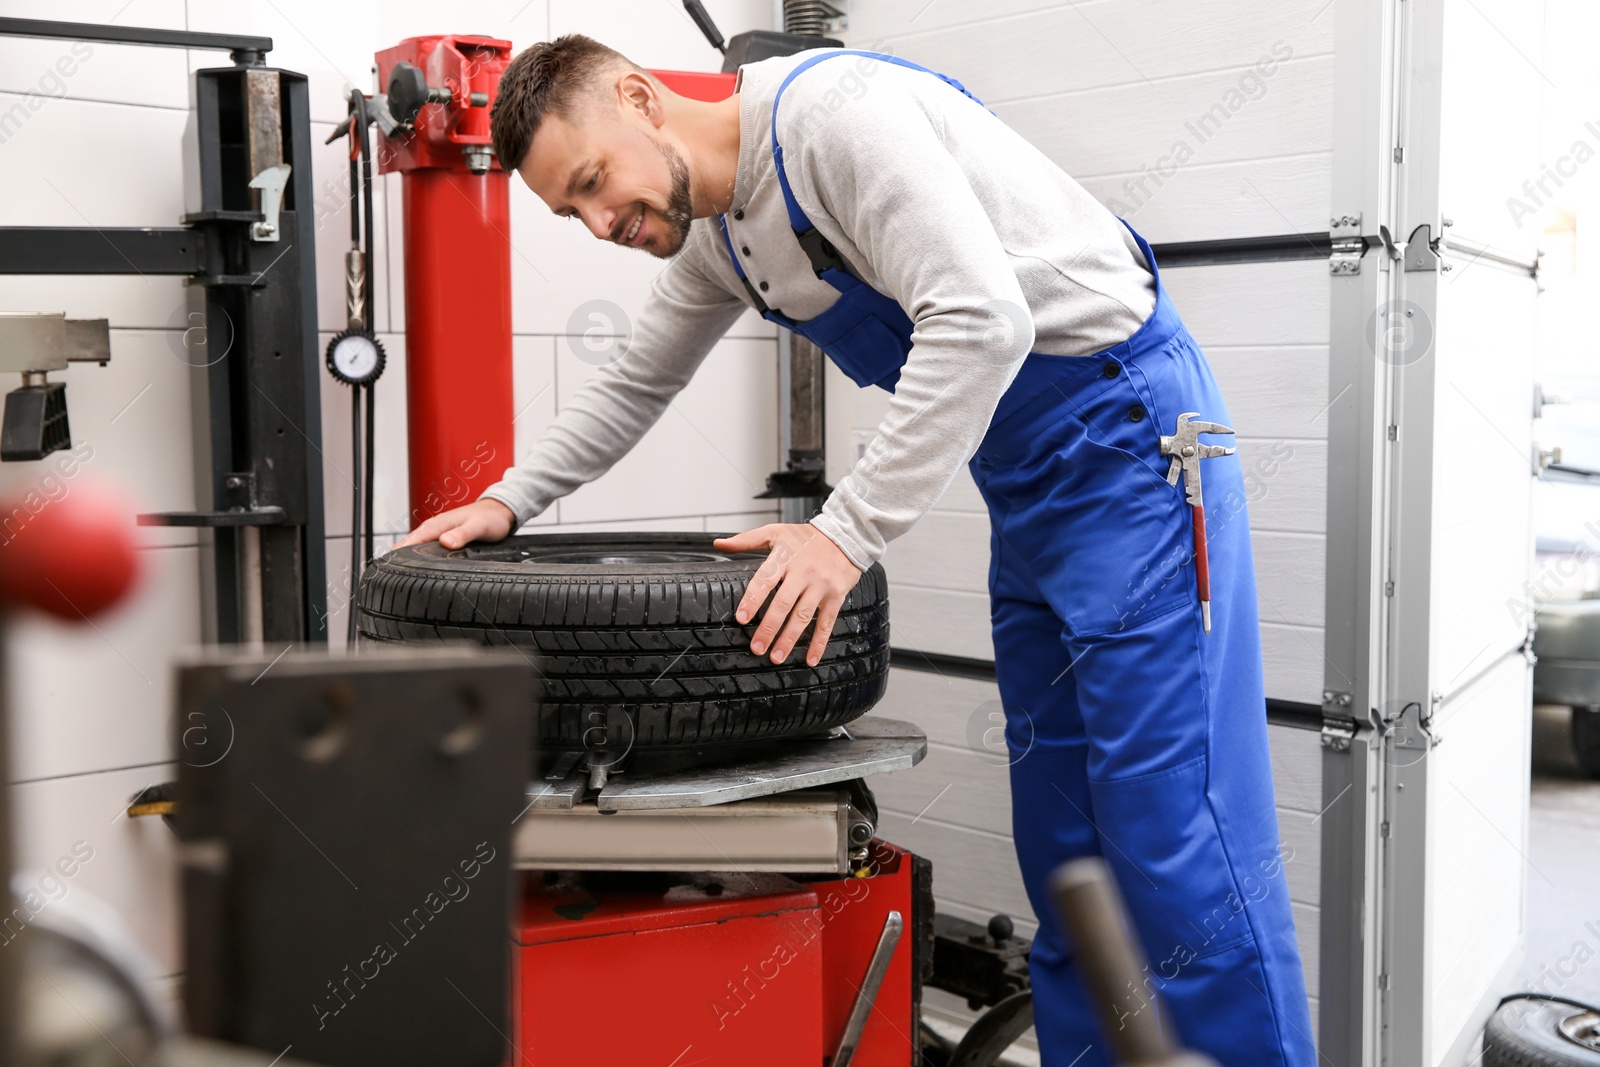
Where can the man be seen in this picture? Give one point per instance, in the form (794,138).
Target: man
(880,210)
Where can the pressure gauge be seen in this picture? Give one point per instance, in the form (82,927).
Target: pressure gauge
(355,358)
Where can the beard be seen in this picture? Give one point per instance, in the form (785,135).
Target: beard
(679,212)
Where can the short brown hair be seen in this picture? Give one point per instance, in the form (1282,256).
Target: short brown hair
(545,79)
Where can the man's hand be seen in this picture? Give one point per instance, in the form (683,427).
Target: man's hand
(481,520)
(812,577)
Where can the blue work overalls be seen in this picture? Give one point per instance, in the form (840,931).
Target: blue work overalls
(1133,733)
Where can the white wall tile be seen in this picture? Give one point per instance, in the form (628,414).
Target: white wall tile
(390,501)
(98,694)
(558,268)
(535,399)
(331,210)
(393,278)
(78,163)
(131,429)
(332,44)
(660,36)
(711,451)
(156,77)
(133,867)
(519,21)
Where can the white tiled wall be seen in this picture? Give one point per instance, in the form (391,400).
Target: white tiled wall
(98,145)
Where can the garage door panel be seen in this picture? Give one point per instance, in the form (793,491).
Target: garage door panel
(1483,397)
(1274,391)
(948,549)
(883,22)
(1074,48)
(1292,661)
(1285,483)
(1308,935)
(1218,201)
(1170,124)
(1289,576)
(955,785)
(1226,305)
(944,621)
(702,449)
(975,868)
(1296,768)
(941,704)
(1477,833)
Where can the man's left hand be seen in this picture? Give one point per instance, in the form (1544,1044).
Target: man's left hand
(812,576)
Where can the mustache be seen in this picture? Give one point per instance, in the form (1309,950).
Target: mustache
(626,224)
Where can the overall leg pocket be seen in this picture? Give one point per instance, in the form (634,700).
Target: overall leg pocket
(1164,845)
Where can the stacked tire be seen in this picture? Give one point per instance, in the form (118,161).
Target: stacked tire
(633,635)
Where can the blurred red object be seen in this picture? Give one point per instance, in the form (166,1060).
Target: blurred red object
(71,557)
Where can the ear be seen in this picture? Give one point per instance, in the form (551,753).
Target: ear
(637,94)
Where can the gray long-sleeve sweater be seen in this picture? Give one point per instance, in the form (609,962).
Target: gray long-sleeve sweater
(988,246)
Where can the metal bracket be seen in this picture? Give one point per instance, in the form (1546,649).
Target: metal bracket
(1337,734)
(1421,252)
(867,992)
(1338,727)
(1348,245)
(271,182)
(239,508)
(697,778)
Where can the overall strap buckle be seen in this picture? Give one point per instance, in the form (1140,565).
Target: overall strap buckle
(820,251)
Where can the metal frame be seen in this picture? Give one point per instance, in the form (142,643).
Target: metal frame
(1375,1004)
(1363,135)
(262,412)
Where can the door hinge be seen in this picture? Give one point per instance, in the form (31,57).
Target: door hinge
(1394,432)
(1348,244)
(1383,830)
(1422,251)
(1399,154)
(1388,587)
(1337,734)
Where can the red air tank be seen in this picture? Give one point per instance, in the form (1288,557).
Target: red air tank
(457,267)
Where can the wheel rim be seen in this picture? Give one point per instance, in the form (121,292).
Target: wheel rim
(624,553)
(622,559)
(1582,1029)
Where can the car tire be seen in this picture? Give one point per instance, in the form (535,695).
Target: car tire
(1586,739)
(633,635)
(1526,1031)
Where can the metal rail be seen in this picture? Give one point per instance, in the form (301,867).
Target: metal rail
(1293,713)
(240,45)
(1273,248)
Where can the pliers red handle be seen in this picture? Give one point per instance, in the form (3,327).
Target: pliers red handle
(1184,446)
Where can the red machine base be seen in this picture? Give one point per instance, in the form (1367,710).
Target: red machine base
(716,970)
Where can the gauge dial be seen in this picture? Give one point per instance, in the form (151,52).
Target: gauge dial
(355,358)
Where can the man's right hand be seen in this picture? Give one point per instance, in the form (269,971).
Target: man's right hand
(481,520)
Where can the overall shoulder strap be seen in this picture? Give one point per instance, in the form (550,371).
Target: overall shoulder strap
(822,254)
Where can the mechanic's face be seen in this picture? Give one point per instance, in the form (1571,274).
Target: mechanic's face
(615,169)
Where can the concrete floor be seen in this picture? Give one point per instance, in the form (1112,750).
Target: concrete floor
(1563,867)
